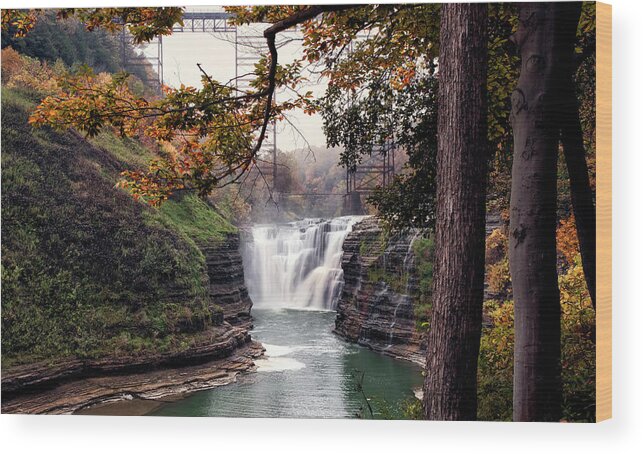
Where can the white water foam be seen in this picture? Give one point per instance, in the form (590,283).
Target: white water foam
(278,364)
(275,359)
(297,265)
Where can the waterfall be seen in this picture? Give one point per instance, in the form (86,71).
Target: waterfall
(296,265)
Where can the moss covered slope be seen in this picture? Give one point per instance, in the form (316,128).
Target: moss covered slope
(87,271)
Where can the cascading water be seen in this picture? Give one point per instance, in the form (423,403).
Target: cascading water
(306,370)
(296,265)
(402,298)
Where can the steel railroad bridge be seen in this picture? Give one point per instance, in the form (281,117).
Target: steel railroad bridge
(375,170)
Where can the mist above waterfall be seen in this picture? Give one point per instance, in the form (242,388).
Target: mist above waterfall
(298,264)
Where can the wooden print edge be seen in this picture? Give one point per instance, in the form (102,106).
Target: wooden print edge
(604,211)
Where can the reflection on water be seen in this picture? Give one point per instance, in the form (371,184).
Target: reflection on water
(308,373)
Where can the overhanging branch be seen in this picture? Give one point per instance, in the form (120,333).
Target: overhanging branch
(270,35)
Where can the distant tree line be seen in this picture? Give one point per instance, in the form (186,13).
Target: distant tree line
(69,41)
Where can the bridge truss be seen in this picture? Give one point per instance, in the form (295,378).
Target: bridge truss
(249,47)
(376,170)
(139,62)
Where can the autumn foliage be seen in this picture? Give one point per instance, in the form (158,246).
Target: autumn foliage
(143,23)
(214,129)
(578,333)
(20,71)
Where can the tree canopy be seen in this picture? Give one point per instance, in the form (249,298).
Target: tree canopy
(379,61)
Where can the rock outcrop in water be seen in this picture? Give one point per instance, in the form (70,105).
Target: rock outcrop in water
(376,307)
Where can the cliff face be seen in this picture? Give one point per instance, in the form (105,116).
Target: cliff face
(227,288)
(213,351)
(376,307)
(385,302)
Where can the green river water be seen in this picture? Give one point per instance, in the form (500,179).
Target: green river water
(308,372)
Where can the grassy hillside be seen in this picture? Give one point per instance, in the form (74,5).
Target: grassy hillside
(86,270)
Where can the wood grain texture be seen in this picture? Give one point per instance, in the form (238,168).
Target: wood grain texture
(604,211)
(458,286)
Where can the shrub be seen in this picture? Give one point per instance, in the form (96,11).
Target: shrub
(497,264)
(578,359)
(495,247)
(20,71)
(424,252)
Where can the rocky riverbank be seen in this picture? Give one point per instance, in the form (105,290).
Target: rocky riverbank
(385,301)
(214,356)
(376,307)
(65,388)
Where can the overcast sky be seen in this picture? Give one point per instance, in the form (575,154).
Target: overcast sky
(216,54)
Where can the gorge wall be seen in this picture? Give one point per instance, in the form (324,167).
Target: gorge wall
(98,285)
(377,305)
(227,287)
(385,301)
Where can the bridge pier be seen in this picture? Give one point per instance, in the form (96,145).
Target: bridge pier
(353,205)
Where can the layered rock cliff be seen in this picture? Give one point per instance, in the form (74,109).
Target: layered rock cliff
(66,387)
(227,287)
(207,353)
(385,301)
(377,306)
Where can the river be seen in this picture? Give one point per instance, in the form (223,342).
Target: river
(308,373)
(294,277)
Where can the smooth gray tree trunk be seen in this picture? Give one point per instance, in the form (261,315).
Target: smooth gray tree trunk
(579,186)
(544,33)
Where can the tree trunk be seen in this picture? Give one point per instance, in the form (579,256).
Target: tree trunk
(581,191)
(454,335)
(544,33)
